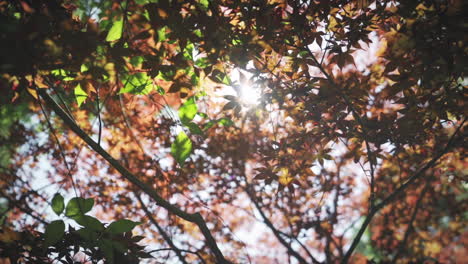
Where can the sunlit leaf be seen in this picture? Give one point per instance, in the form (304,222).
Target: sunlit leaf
(80,95)
(162,34)
(204,4)
(78,206)
(225,121)
(181,148)
(188,110)
(194,128)
(138,83)
(284,177)
(116,30)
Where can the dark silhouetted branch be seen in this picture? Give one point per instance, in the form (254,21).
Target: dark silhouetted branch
(398,192)
(161,230)
(194,218)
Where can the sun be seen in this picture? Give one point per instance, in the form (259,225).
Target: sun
(250,95)
(248,91)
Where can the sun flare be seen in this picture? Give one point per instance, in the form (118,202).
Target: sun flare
(248,91)
(250,95)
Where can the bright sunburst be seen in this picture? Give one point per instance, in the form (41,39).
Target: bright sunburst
(248,91)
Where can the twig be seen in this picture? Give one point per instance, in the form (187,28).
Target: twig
(99,115)
(25,209)
(191,217)
(397,192)
(161,230)
(314,260)
(61,150)
(277,234)
(355,115)
(183,250)
(409,229)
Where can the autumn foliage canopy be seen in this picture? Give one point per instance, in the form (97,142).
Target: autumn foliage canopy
(233,131)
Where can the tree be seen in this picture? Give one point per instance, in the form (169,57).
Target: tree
(145,110)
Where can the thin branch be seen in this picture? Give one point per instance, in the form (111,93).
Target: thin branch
(355,114)
(397,192)
(183,250)
(24,209)
(61,150)
(161,230)
(99,115)
(314,260)
(277,234)
(60,98)
(409,229)
(194,218)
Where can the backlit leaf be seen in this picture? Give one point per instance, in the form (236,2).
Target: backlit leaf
(58,204)
(115,32)
(181,148)
(78,206)
(188,110)
(80,95)
(121,226)
(138,83)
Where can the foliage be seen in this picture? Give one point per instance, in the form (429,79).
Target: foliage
(354,151)
(113,243)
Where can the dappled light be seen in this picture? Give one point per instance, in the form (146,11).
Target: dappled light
(219,131)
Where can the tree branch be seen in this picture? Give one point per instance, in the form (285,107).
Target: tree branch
(183,250)
(161,230)
(397,192)
(274,230)
(194,218)
(355,115)
(314,260)
(409,229)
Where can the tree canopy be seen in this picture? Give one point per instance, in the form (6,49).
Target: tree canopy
(233,131)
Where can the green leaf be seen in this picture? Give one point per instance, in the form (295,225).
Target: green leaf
(54,233)
(181,148)
(138,83)
(197,33)
(79,206)
(84,67)
(209,125)
(194,128)
(137,61)
(62,74)
(225,121)
(188,111)
(116,30)
(89,222)
(106,246)
(119,246)
(58,204)
(162,34)
(80,95)
(121,226)
(204,4)
(87,234)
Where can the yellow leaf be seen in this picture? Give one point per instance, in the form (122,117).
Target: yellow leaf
(33,93)
(332,23)
(432,249)
(284,178)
